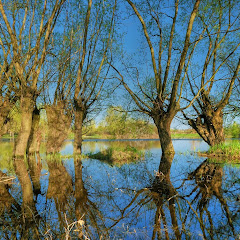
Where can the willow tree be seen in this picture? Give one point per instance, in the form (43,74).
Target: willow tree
(57,92)
(219,66)
(93,40)
(168,44)
(27,27)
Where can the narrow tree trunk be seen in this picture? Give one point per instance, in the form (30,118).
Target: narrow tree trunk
(209,127)
(79,118)
(35,135)
(27,106)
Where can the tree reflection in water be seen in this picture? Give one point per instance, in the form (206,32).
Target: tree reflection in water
(208,177)
(88,199)
(19,215)
(186,216)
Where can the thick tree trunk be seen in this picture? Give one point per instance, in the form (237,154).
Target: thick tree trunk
(35,135)
(59,122)
(209,127)
(79,118)
(164,131)
(27,106)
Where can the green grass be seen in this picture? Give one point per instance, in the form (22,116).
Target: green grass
(185,135)
(229,148)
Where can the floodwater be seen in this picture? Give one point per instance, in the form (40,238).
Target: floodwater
(45,197)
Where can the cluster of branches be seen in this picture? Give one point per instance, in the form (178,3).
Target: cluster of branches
(193,51)
(53,56)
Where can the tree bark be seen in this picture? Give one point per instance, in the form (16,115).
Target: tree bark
(80,115)
(35,135)
(210,127)
(27,106)
(59,121)
(163,124)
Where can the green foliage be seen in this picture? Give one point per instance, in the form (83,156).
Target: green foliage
(233,130)
(115,121)
(118,123)
(90,129)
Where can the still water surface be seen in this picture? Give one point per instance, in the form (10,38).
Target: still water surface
(53,198)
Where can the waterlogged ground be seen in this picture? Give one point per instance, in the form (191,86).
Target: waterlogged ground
(46,197)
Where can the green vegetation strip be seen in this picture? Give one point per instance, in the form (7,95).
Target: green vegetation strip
(231,150)
(118,155)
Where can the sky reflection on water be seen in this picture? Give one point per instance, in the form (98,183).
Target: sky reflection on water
(90,198)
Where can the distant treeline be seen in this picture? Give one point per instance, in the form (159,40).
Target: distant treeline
(117,124)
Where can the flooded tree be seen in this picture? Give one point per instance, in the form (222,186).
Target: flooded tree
(57,93)
(160,95)
(217,72)
(59,116)
(93,38)
(26,28)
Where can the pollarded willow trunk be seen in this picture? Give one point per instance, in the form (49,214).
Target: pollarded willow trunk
(80,115)
(27,101)
(35,135)
(209,127)
(59,122)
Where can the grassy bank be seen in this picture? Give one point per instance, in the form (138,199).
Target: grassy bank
(185,136)
(228,150)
